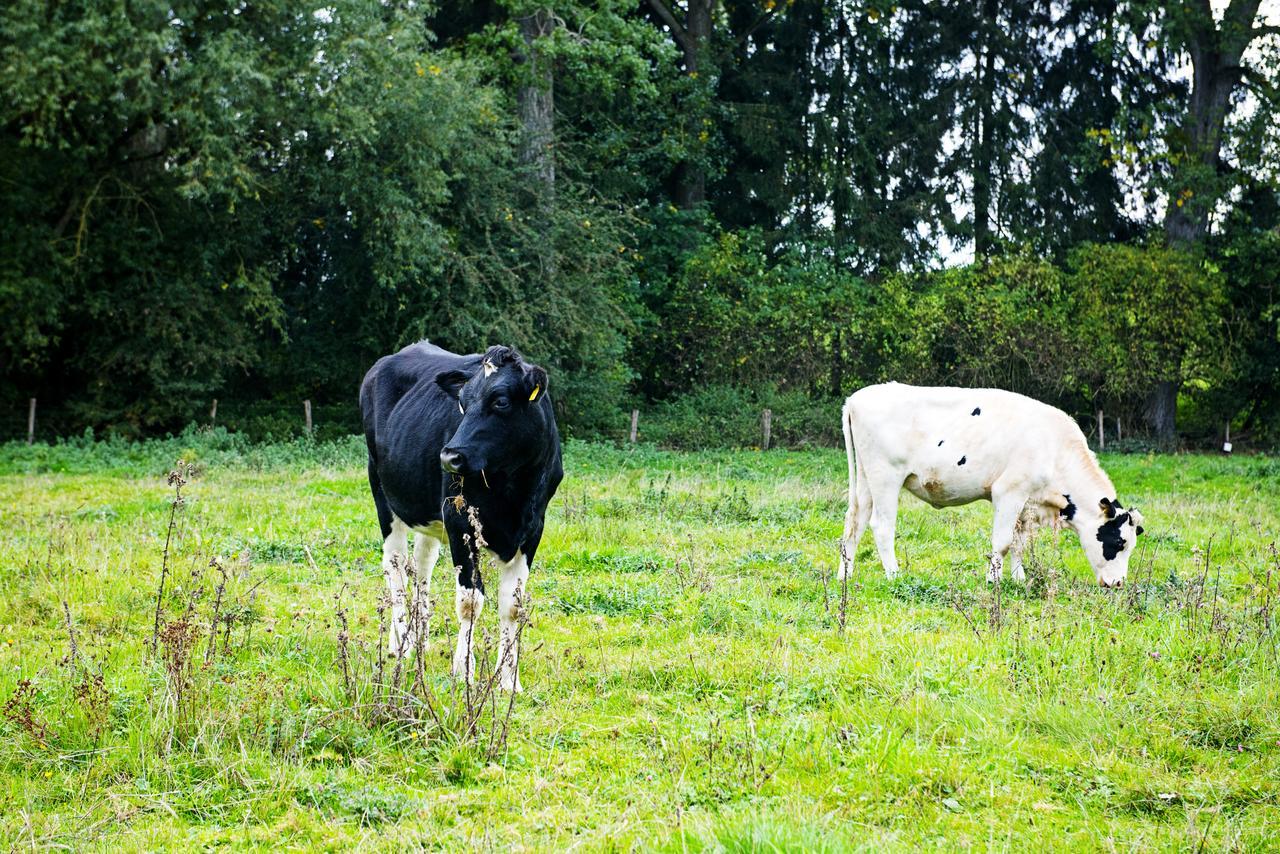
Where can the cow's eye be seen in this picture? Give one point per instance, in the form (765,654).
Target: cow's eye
(501,402)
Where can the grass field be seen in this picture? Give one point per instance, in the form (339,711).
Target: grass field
(687,683)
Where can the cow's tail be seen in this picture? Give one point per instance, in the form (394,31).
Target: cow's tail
(846,541)
(846,423)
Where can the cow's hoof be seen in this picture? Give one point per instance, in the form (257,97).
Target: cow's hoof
(464,669)
(1019,575)
(510,684)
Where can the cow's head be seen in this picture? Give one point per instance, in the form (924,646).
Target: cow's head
(1109,537)
(504,417)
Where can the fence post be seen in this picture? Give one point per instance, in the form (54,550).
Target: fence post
(306,411)
(1119,430)
(213,413)
(31,421)
(1102,432)
(767,423)
(635,424)
(1226,442)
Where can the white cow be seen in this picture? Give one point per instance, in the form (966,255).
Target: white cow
(950,446)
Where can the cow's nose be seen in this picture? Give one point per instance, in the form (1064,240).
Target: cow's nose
(451,461)
(1119,582)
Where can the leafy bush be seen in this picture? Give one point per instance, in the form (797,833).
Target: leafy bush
(721,416)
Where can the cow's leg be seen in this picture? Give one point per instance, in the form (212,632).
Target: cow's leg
(861,504)
(884,519)
(512,593)
(1008,506)
(1022,531)
(426,551)
(469,601)
(395,560)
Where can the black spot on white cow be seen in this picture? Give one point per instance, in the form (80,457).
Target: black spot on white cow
(453,439)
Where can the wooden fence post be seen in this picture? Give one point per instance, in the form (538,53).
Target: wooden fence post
(306,411)
(635,424)
(1102,432)
(31,421)
(213,413)
(1119,430)
(1226,441)
(767,423)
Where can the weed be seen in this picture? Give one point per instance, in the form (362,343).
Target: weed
(20,711)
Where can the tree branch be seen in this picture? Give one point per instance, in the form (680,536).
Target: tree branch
(679,33)
(1260,85)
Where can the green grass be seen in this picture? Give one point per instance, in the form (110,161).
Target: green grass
(686,687)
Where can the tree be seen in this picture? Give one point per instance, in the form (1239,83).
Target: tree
(1200,178)
(693,36)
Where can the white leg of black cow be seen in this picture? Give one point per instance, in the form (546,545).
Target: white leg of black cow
(469,603)
(1008,507)
(513,594)
(884,522)
(426,551)
(395,562)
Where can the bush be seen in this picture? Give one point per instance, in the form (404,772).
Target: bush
(720,416)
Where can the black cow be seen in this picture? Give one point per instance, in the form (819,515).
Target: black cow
(487,422)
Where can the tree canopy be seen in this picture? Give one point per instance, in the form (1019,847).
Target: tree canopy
(252,202)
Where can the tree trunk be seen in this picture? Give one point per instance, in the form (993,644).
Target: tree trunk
(1215,53)
(537,119)
(691,178)
(1161,411)
(982,154)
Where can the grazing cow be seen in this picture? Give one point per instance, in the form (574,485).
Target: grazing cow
(950,446)
(455,439)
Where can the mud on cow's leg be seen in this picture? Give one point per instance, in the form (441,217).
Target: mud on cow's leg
(395,562)
(469,602)
(1023,530)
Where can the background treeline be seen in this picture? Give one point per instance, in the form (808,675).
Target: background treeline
(699,209)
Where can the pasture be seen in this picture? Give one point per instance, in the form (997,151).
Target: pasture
(688,685)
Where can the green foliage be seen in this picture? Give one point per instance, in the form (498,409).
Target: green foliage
(1147,314)
(204,203)
(719,416)
(735,315)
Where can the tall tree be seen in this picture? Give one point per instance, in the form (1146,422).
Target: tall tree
(1200,178)
(693,36)
(536,98)
(1216,51)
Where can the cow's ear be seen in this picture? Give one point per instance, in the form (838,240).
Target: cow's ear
(452,382)
(535,381)
(1135,518)
(1108,509)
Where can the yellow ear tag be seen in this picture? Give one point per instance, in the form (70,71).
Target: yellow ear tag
(536,389)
